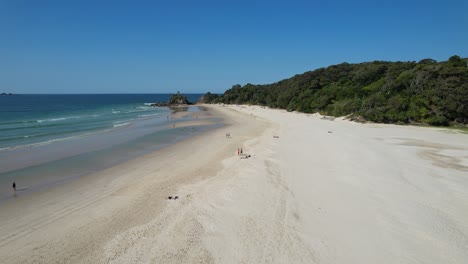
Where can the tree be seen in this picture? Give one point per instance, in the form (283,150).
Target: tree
(456,61)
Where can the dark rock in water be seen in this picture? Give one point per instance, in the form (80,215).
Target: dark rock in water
(178,99)
(175,100)
(159,104)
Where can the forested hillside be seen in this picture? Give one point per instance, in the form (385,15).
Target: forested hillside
(428,92)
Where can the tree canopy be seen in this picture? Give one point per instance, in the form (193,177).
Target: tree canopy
(426,92)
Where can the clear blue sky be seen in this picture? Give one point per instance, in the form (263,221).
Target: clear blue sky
(198,46)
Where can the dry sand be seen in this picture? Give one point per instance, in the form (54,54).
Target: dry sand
(313,191)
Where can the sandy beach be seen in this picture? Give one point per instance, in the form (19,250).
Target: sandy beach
(312,191)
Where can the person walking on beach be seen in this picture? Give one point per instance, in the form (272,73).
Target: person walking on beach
(14,187)
(241,151)
(238,152)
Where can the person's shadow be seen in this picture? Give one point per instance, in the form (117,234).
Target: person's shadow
(15,194)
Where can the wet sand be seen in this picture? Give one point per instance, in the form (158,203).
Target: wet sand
(39,167)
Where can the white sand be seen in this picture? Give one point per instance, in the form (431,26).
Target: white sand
(363,193)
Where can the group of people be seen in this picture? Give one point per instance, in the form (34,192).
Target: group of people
(239,151)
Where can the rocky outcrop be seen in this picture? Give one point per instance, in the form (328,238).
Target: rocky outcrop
(178,99)
(175,100)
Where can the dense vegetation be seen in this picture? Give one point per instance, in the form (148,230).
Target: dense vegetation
(428,92)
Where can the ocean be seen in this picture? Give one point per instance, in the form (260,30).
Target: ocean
(48,139)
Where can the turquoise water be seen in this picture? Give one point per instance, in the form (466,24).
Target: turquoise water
(41,119)
(49,139)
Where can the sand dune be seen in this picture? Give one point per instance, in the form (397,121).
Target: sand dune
(312,191)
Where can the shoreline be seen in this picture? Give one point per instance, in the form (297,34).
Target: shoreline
(312,191)
(52,165)
(94,198)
